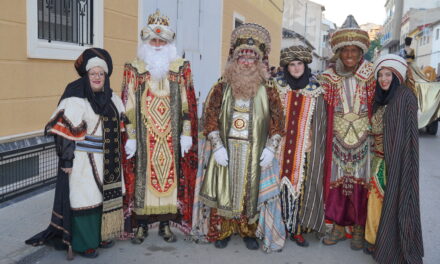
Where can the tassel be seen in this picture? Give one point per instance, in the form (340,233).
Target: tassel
(70,255)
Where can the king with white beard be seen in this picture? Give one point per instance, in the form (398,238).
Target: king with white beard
(161,107)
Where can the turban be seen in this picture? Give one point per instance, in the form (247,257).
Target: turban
(94,57)
(392,62)
(158,26)
(350,34)
(295,53)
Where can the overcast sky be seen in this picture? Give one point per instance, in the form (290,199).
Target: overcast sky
(364,11)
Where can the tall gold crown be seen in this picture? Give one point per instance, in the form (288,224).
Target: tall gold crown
(157,19)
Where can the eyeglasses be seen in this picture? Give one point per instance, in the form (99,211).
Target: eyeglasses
(96,74)
(244,59)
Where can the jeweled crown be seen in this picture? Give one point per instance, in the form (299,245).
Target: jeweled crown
(157,19)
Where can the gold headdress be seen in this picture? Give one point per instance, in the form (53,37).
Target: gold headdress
(158,26)
(292,53)
(250,38)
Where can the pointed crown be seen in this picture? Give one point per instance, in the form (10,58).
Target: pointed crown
(157,19)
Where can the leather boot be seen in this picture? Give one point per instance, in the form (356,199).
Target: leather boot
(222,243)
(251,243)
(140,234)
(166,233)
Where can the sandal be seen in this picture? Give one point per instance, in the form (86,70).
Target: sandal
(334,237)
(357,242)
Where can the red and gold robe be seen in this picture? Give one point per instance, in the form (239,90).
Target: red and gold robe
(160,111)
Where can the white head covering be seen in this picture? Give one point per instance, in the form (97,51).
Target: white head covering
(392,62)
(158,26)
(96,62)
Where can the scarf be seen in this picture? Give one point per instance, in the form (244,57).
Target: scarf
(301,82)
(81,88)
(382,97)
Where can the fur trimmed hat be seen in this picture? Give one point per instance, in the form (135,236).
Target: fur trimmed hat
(250,37)
(392,62)
(292,53)
(350,34)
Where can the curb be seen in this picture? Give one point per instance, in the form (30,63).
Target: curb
(26,255)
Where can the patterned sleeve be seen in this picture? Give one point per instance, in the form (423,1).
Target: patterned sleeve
(276,125)
(187,92)
(68,120)
(213,106)
(129,86)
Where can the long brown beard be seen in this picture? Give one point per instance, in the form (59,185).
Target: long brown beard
(245,81)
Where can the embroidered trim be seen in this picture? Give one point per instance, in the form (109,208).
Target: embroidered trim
(273,143)
(216,141)
(186,129)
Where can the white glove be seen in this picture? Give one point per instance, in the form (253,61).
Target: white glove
(185,144)
(130,148)
(266,158)
(221,156)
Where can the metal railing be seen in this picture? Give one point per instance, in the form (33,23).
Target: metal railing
(66,20)
(27,169)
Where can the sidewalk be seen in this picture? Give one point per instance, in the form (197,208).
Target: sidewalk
(19,221)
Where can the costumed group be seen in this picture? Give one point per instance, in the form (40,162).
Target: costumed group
(270,159)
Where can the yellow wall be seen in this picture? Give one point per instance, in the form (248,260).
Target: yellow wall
(30,88)
(268,13)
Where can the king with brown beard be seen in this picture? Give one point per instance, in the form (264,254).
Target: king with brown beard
(244,124)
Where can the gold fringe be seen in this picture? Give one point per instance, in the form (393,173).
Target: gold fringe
(112,224)
(149,210)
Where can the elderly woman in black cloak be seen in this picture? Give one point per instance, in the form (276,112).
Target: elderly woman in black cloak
(87,211)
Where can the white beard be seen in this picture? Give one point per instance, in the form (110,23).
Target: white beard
(157,59)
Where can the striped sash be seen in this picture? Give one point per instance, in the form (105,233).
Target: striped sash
(92,144)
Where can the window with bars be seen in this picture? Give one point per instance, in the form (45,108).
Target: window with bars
(66,21)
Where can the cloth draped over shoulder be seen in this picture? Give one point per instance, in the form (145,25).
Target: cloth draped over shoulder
(69,125)
(301,176)
(270,225)
(399,237)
